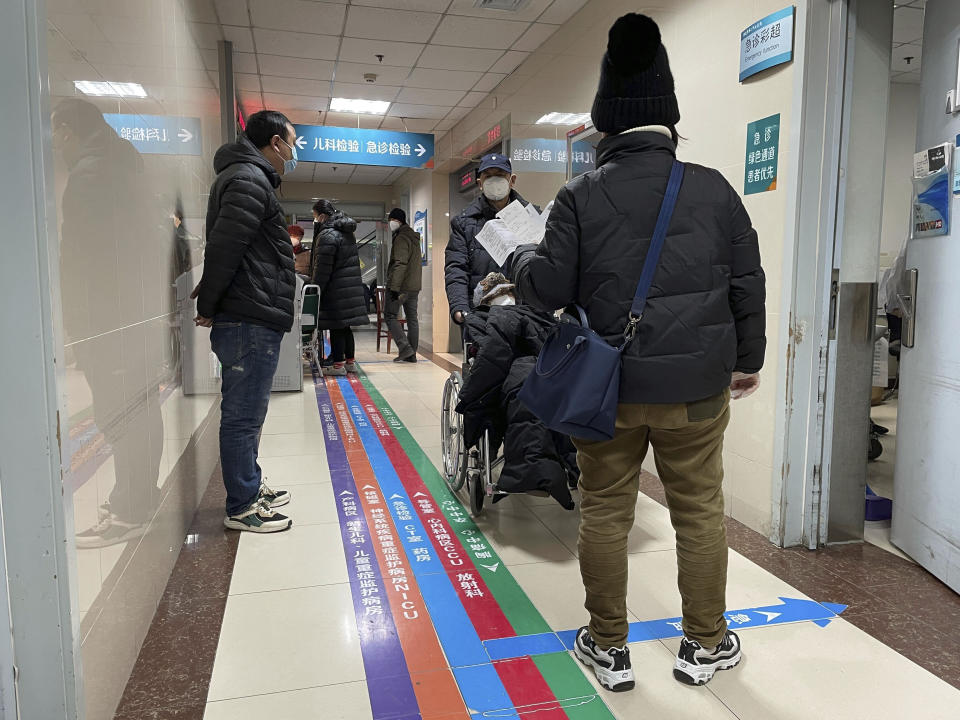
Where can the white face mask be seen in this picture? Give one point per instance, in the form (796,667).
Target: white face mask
(496,188)
(503,300)
(394,226)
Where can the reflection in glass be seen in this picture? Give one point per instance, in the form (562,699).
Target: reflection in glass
(107,228)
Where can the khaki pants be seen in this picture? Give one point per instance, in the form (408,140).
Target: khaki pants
(687,443)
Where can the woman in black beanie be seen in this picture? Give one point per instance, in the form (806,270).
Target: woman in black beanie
(699,342)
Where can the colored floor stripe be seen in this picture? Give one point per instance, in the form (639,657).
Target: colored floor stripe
(416,471)
(561,673)
(388,680)
(483,608)
(435,689)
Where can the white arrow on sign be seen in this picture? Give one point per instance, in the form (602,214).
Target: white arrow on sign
(368,486)
(346,492)
(420,494)
(420,150)
(770,616)
(300,142)
(395,496)
(491,568)
(185,135)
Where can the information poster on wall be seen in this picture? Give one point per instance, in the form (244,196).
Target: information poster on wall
(420,227)
(932,191)
(762,156)
(956,168)
(767,43)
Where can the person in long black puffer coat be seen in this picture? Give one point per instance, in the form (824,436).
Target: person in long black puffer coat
(509,339)
(335,267)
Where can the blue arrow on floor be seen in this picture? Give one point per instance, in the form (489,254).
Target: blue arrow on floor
(790,610)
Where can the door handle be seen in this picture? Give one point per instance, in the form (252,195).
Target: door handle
(908,303)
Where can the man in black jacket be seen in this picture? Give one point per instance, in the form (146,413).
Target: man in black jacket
(404,281)
(246,295)
(466,261)
(699,341)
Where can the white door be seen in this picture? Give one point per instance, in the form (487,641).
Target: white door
(926,503)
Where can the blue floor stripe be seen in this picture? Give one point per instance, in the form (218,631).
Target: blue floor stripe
(455,630)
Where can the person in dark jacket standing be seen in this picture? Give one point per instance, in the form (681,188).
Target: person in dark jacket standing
(466,261)
(335,263)
(700,339)
(404,281)
(246,294)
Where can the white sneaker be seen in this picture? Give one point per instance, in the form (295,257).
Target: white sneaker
(258,518)
(697,666)
(273,498)
(612,667)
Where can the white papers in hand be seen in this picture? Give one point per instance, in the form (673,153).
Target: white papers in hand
(515,225)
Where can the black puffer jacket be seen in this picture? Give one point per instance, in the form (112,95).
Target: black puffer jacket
(466,262)
(248,261)
(335,263)
(705,315)
(509,339)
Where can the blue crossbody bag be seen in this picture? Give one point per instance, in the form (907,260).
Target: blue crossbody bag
(575,387)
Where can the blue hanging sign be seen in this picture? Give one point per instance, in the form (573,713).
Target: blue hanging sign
(354,146)
(158,134)
(545,155)
(767,43)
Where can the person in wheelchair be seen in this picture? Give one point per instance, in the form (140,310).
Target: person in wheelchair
(505,339)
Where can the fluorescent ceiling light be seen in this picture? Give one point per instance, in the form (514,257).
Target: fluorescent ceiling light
(110,89)
(559,118)
(370,107)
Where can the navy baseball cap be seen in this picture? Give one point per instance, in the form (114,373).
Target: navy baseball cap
(495,160)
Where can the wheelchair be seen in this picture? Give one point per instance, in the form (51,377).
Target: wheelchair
(476,466)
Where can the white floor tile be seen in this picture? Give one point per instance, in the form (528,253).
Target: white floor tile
(556,589)
(651,531)
(652,586)
(312,504)
(518,536)
(303,556)
(348,701)
(802,671)
(285,470)
(291,444)
(289,640)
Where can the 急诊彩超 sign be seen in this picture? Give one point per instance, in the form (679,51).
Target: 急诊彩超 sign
(763,155)
(356,146)
(158,134)
(767,43)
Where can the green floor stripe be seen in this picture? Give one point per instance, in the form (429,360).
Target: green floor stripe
(567,682)
(520,612)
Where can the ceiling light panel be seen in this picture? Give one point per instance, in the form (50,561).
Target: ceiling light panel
(367,107)
(102,88)
(562,118)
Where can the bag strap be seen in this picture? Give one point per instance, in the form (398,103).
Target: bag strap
(656,246)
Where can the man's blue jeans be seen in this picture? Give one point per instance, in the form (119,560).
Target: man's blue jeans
(249,355)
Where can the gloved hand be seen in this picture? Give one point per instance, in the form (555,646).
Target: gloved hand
(743,385)
(394,295)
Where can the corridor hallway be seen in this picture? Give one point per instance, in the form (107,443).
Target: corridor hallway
(386,601)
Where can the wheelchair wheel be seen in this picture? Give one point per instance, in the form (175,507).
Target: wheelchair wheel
(451,435)
(480,475)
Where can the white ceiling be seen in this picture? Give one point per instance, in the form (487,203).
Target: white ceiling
(907,41)
(441,57)
(440,60)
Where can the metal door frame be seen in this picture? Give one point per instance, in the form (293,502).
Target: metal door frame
(801,424)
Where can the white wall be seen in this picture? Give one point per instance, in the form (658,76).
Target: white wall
(429,191)
(897,187)
(702,40)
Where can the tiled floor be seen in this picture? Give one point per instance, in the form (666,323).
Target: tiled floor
(288,648)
